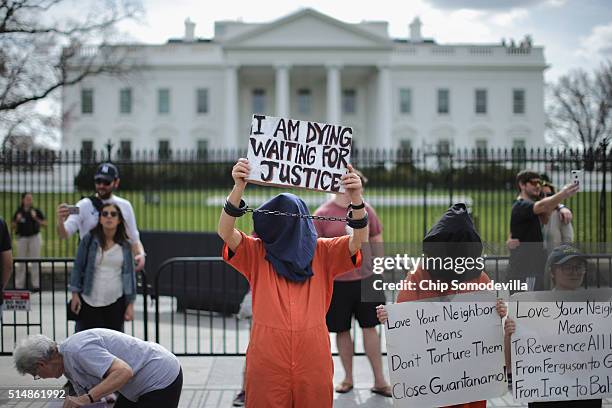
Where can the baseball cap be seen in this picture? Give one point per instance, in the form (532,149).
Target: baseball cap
(562,254)
(106,171)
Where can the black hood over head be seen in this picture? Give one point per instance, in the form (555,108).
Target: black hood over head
(455,237)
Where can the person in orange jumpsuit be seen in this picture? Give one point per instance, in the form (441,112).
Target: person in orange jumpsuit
(452,236)
(291,274)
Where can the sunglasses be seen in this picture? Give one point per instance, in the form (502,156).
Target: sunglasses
(110,214)
(549,194)
(103,182)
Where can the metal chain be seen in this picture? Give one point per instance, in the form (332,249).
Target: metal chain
(284,214)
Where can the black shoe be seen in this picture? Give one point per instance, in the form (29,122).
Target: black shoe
(239,399)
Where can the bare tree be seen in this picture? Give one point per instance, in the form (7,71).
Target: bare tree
(45,45)
(580,111)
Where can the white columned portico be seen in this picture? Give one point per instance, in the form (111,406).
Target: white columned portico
(231,106)
(282,90)
(384,107)
(333,93)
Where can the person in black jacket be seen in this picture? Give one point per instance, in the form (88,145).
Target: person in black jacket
(27,221)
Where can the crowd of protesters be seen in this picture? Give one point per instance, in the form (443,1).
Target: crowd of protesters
(306,280)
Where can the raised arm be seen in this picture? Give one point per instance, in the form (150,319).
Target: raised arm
(230,235)
(548,204)
(62,214)
(352,184)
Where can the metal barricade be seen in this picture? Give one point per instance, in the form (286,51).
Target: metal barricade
(48,304)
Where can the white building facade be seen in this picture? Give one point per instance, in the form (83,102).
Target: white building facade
(193,94)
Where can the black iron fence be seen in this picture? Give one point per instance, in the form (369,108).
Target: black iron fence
(184,190)
(198,298)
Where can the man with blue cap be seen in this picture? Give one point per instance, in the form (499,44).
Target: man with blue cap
(106,181)
(291,274)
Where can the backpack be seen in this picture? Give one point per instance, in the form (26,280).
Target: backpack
(95,201)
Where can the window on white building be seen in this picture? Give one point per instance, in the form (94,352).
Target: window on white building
(443,101)
(443,147)
(202,149)
(481,101)
(349,101)
(518,144)
(163,101)
(518,101)
(259,101)
(164,150)
(87,101)
(125,150)
(125,101)
(481,148)
(304,101)
(443,151)
(519,151)
(202,100)
(87,150)
(406,145)
(405,102)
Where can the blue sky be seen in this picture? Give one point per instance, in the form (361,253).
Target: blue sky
(575,33)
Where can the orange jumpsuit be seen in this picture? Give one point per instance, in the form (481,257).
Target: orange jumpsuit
(289,360)
(417,294)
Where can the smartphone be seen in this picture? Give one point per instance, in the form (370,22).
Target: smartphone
(73,209)
(576,176)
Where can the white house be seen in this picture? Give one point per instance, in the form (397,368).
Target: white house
(410,92)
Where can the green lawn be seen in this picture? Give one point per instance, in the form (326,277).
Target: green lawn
(187,210)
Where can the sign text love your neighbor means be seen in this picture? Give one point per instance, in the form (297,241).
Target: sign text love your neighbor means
(295,153)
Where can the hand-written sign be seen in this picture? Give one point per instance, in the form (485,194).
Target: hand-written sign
(561,350)
(445,352)
(296,153)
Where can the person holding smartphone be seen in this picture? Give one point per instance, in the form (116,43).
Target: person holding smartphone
(529,212)
(106,181)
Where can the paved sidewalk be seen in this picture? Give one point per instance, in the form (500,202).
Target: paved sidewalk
(212,382)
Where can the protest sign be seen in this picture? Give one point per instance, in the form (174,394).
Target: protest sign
(445,352)
(296,153)
(562,347)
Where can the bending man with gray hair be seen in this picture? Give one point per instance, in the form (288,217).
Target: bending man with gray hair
(100,361)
